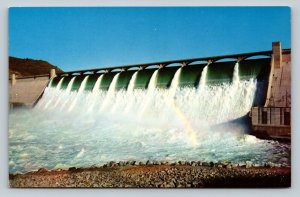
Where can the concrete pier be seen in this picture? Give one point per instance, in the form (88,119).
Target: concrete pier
(26,91)
(52,73)
(13,79)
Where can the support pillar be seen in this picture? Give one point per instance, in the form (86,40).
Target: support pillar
(52,73)
(161,66)
(277,54)
(13,79)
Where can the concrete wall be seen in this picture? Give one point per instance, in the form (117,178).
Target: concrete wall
(273,120)
(279,91)
(27,91)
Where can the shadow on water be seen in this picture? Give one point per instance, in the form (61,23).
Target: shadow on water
(241,124)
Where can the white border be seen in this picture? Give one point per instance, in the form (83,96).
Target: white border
(6,191)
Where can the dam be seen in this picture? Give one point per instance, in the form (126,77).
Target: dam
(194,109)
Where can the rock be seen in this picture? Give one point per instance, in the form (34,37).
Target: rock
(229,166)
(256,165)
(242,165)
(72,169)
(234,165)
(132,163)
(270,165)
(205,164)
(179,185)
(111,164)
(42,170)
(249,164)
(211,164)
(225,162)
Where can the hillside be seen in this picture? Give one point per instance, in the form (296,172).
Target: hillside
(29,67)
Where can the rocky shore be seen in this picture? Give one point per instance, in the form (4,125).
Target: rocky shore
(133,174)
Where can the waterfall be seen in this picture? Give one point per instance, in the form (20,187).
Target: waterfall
(151,88)
(112,86)
(109,98)
(93,97)
(59,83)
(53,93)
(70,85)
(80,90)
(175,83)
(214,105)
(132,82)
(131,99)
(83,84)
(50,83)
(152,83)
(236,77)
(64,96)
(203,77)
(97,84)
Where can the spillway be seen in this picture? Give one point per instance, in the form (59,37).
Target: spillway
(169,114)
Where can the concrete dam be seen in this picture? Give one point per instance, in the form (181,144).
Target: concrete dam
(194,109)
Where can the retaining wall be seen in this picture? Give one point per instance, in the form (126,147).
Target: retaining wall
(27,91)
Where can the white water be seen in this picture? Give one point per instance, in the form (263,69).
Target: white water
(93,96)
(79,92)
(203,77)
(64,96)
(52,96)
(97,84)
(156,124)
(110,95)
(132,82)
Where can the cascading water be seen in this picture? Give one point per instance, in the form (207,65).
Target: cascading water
(131,99)
(175,83)
(132,82)
(178,123)
(52,94)
(65,97)
(97,84)
(150,91)
(93,96)
(110,93)
(78,95)
(203,77)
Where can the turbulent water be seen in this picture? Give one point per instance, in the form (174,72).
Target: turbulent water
(83,128)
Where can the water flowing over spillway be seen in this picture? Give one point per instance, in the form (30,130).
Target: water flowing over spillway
(82,128)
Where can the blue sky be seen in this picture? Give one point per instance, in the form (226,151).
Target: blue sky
(82,38)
